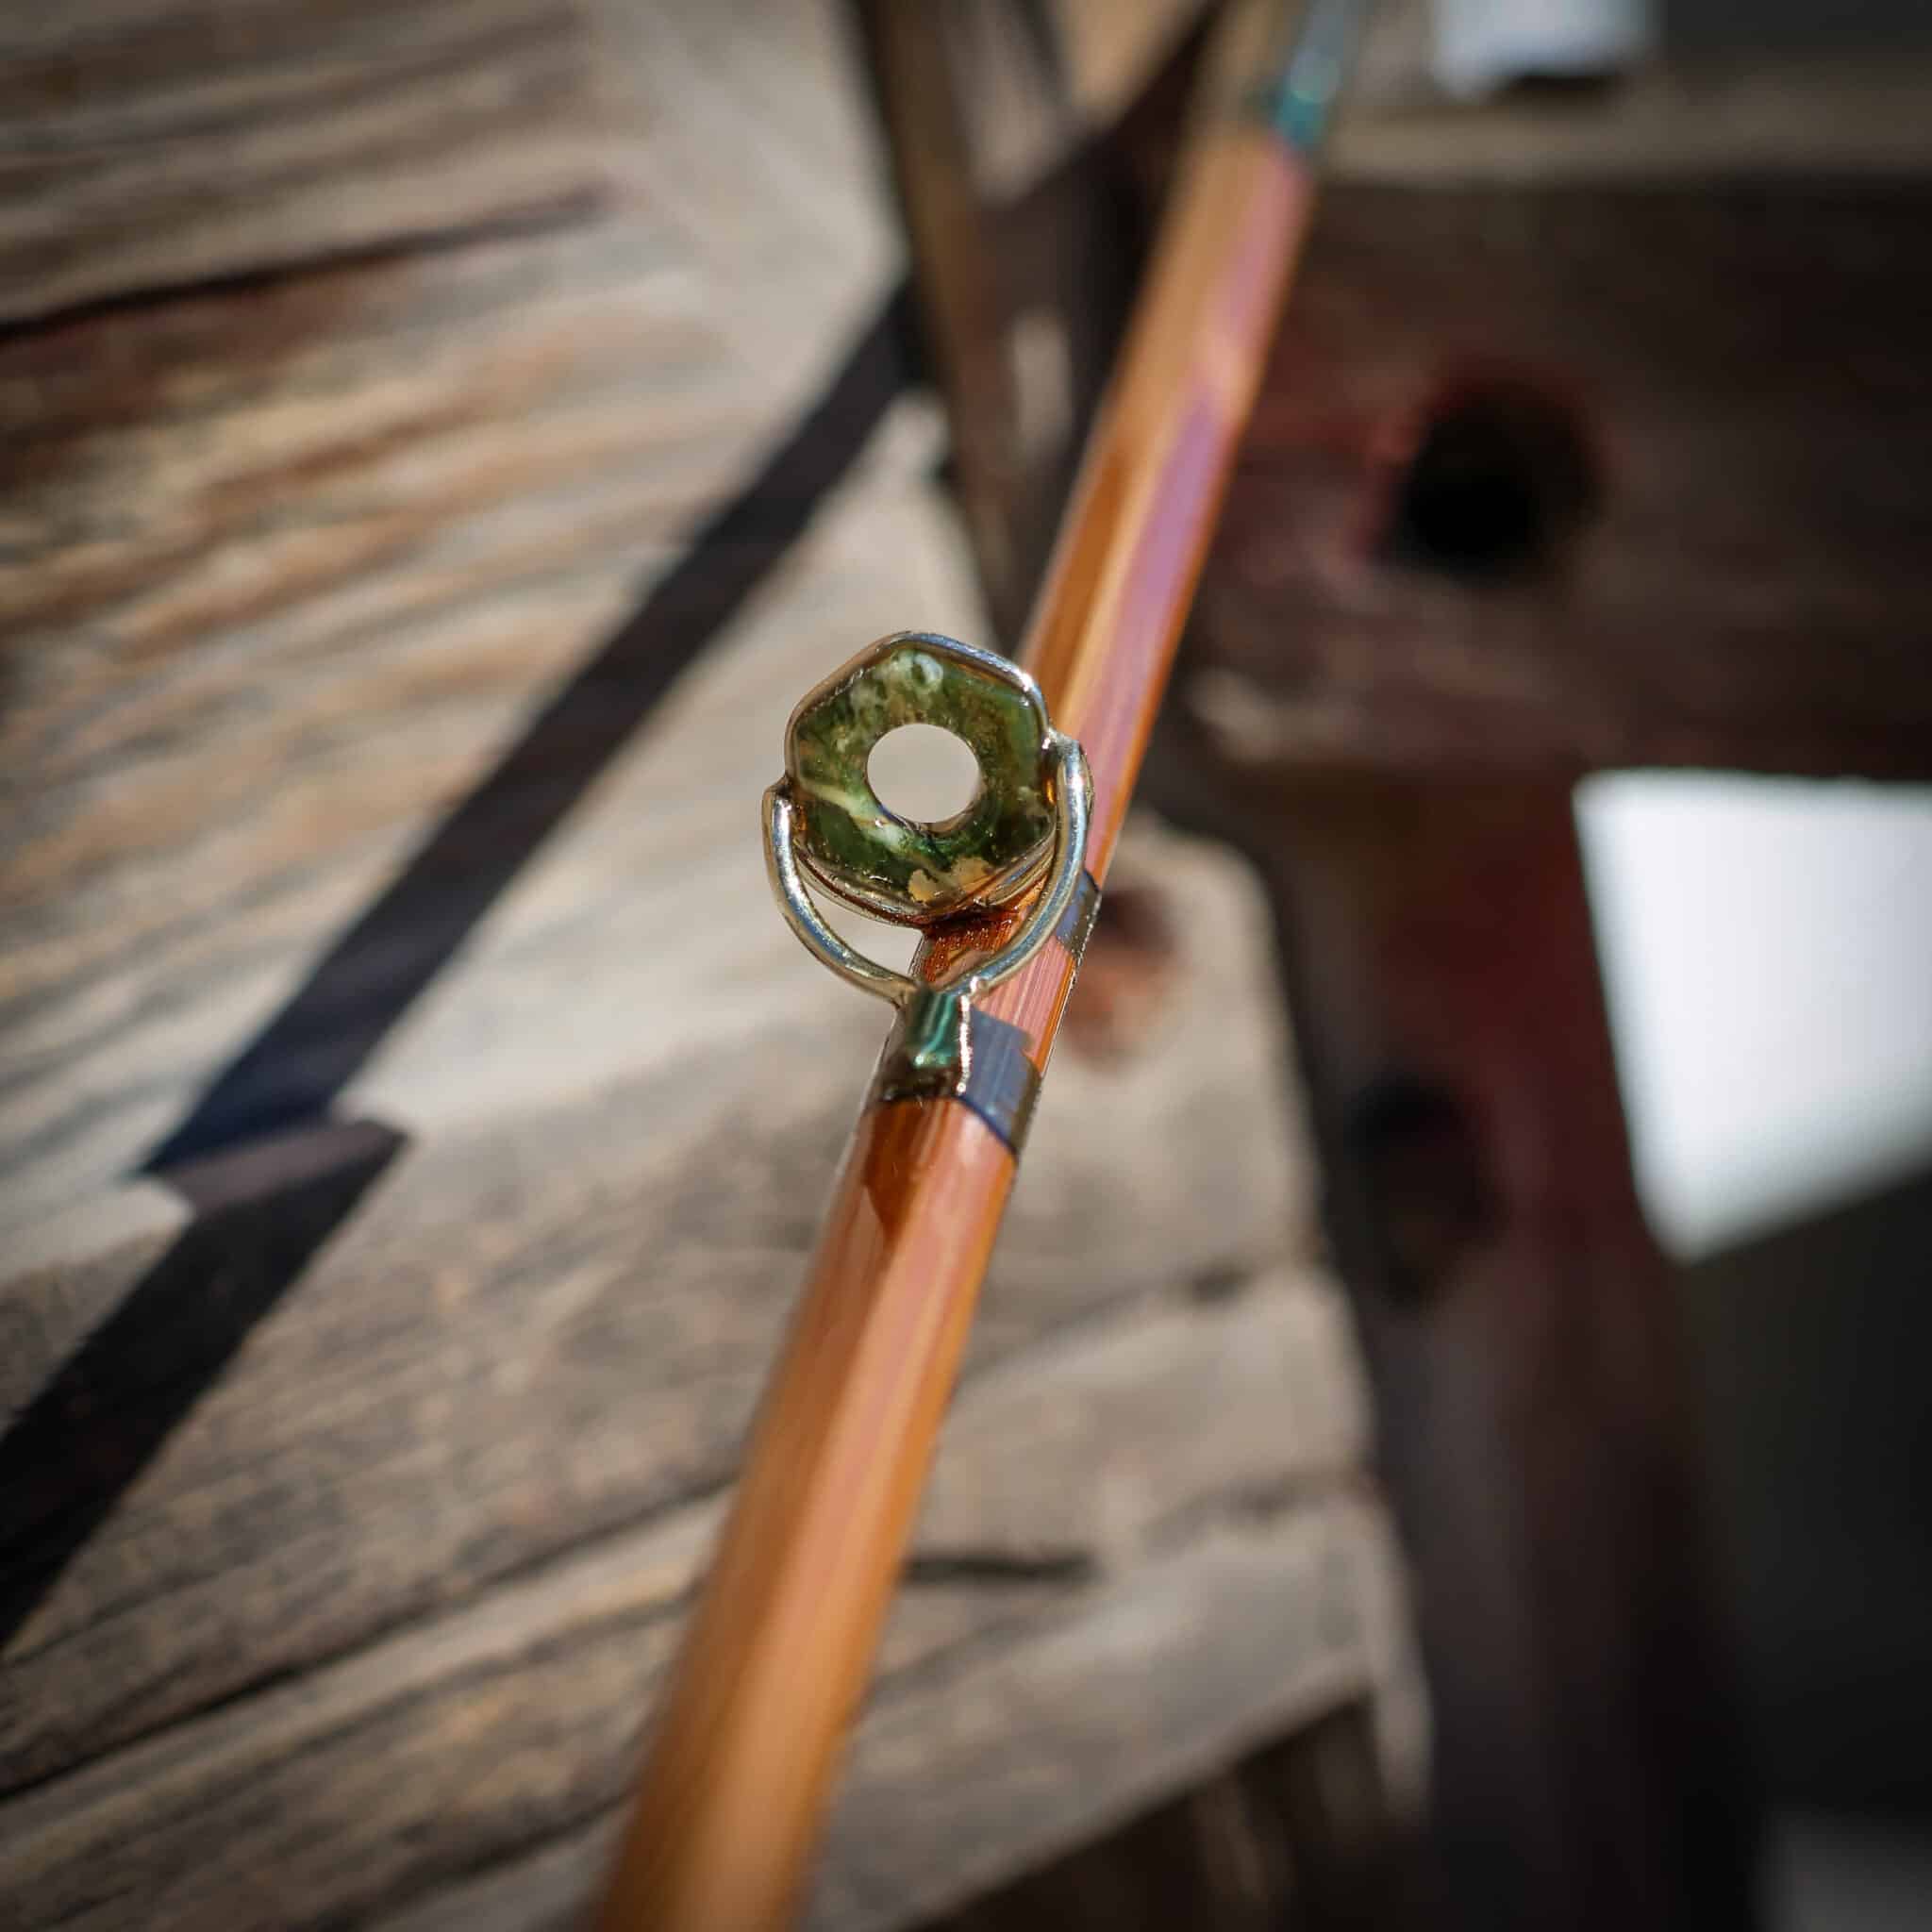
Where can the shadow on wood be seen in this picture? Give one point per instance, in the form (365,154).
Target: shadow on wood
(62,1468)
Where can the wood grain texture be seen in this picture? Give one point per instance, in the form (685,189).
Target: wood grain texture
(1009,498)
(407,1525)
(356,1785)
(739,1768)
(1742,368)
(131,975)
(292,565)
(1202,1654)
(148,146)
(1238,1634)
(1288,1835)
(780,1647)
(471,1378)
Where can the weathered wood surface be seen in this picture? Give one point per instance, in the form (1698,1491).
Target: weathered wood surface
(1038,1726)
(356,1783)
(1039,1735)
(1038,78)
(293,565)
(1024,274)
(416,1117)
(479,459)
(156,793)
(1296,1834)
(145,143)
(1735,578)
(1524,1344)
(713,1105)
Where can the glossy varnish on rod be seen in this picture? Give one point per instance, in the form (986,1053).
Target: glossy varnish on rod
(742,1751)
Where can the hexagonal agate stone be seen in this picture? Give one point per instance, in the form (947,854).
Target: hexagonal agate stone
(900,869)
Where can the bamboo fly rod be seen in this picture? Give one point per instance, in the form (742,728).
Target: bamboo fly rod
(776,1655)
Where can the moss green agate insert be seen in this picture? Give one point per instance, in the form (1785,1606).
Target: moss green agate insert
(898,868)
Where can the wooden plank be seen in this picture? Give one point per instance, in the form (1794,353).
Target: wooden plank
(353,1481)
(1298,1833)
(1524,1344)
(1276,1373)
(480,1369)
(1685,528)
(963,302)
(744,125)
(136,853)
(160,808)
(1036,1743)
(1201,1655)
(293,564)
(1032,81)
(1111,54)
(149,145)
(358,1784)
(1698,119)
(1023,293)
